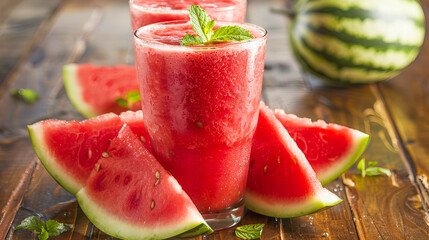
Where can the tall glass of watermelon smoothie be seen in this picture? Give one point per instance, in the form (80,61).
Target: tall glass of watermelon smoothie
(144,12)
(200,105)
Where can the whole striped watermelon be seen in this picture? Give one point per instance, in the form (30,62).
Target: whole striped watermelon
(356,41)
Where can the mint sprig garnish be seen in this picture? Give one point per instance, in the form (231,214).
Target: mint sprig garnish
(203,26)
(371,170)
(251,231)
(130,98)
(52,228)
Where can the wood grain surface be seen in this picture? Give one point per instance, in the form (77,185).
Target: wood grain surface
(38,37)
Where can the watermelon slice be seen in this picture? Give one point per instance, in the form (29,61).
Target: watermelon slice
(330,149)
(129,195)
(94,89)
(281,182)
(69,150)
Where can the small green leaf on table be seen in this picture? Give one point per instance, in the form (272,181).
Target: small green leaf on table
(371,170)
(52,228)
(251,231)
(43,235)
(25,94)
(32,223)
(55,228)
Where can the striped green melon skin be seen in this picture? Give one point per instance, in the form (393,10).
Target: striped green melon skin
(356,41)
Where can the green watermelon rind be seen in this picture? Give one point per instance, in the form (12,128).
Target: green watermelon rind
(74,91)
(106,222)
(360,142)
(288,209)
(55,170)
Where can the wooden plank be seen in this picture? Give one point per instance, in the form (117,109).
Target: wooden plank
(358,108)
(46,199)
(285,88)
(387,208)
(14,194)
(99,51)
(103,44)
(20,31)
(407,103)
(65,40)
(405,110)
(6,7)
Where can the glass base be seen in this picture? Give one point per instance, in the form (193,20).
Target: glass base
(226,218)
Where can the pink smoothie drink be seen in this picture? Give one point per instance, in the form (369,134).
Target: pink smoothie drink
(201,106)
(144,12)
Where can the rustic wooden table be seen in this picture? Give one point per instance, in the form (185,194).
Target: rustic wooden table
(37,37)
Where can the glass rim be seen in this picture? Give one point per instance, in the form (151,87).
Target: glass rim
(201,46)
(216,9)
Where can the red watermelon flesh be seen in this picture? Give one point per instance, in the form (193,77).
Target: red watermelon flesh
(70,149)
(281,182)
(129,195)
(330,149)
(94,89)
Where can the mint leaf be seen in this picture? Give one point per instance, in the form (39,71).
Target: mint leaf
(55,228)
(201,22)
(361,167)
(121,102)
(189,39)
(229,33)
(32,223)
(371,170)
(44,234)
(375,171)
(209,28)
(203,27)
(372,163)
(131,97)
(25,94)
(251,231)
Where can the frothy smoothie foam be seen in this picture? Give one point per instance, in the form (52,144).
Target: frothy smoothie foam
(144,12)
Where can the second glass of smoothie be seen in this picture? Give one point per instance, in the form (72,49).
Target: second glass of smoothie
(200,105)
(144,12)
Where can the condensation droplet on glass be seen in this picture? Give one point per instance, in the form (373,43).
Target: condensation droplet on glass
(325,234)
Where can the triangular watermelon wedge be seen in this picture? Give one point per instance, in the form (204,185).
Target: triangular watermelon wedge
(281,182)
(94,89)
(330,149)
(129,195)
(70,149)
